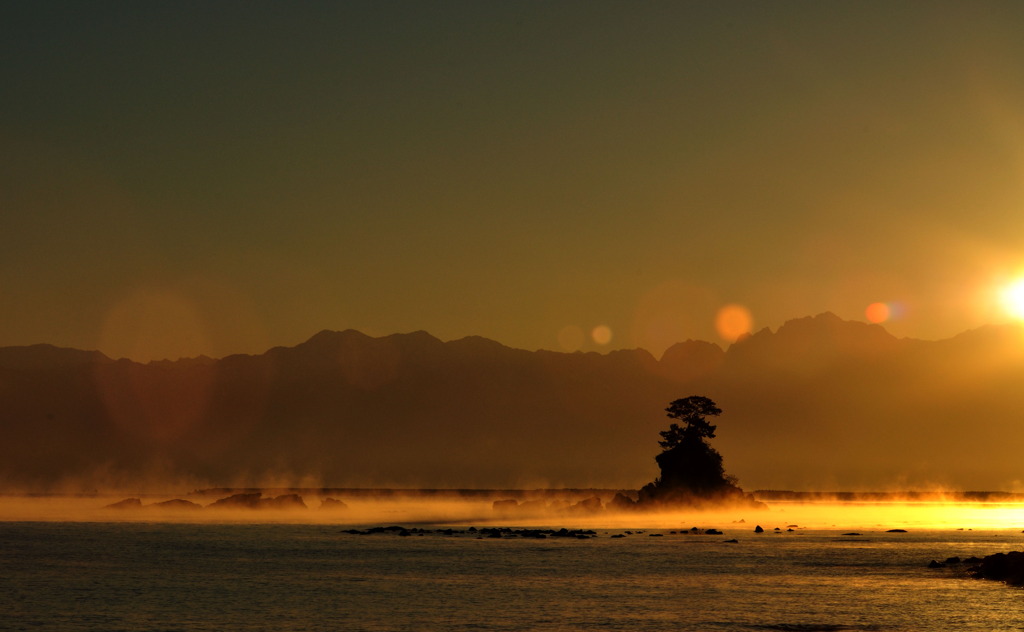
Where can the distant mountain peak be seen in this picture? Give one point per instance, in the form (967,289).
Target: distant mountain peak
(809,342)
(826,325)
(417,336)
(690,359)
(330,336)
(477,342)
(41,356)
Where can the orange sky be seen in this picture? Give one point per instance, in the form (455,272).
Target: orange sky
(183,179)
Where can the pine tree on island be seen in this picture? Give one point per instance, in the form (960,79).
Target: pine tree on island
(691,470)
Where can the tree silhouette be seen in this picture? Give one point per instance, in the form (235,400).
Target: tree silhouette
(692,412)
(691,470)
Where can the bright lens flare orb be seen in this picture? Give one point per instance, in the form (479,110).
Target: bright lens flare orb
(877,313)
(602,334)
(732,321)
(1013,299)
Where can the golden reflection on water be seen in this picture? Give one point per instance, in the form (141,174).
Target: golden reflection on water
(919,515)
(477,511)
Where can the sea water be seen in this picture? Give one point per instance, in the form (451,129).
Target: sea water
(113,576)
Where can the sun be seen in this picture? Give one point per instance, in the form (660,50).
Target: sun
(1012,296)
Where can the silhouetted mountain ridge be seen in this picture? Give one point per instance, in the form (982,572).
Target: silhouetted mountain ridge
(812,343)
(821,398)
(45,356)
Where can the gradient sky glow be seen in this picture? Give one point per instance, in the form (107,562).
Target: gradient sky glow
(184,178)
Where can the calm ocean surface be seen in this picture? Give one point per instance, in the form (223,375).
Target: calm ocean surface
(77,576)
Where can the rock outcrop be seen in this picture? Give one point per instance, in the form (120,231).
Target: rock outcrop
(127,503)
(244,500)
(176,504)
(332,504)
(1003,567)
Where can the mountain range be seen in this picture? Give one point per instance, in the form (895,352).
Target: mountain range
(819,404)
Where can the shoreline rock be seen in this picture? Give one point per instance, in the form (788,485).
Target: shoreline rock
(1002,567)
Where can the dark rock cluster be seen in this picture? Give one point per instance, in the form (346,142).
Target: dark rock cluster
(247,500)
(484,532)
(255,500)
(512,507)
(498,533)
(1002,567)
(136,503)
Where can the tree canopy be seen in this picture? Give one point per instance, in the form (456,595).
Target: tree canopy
(692,411)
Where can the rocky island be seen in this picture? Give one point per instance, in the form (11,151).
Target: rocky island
(692,474)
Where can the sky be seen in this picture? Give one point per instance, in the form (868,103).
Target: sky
(185,178)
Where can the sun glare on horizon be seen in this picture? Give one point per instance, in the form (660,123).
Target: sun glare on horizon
(1012,297)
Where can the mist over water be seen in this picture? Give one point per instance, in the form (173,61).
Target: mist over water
(74,563)
(410,508)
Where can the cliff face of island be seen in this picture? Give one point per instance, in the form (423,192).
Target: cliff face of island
(409,410)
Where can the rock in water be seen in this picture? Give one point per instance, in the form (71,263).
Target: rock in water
(1004,567)
(332,504)
(284,501)
(238,501)
(127,503)
(175,503)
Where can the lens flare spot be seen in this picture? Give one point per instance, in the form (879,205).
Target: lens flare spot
(877,313)
(570,338)
(602,334)
(154,324)
(732,321)
(668,313)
